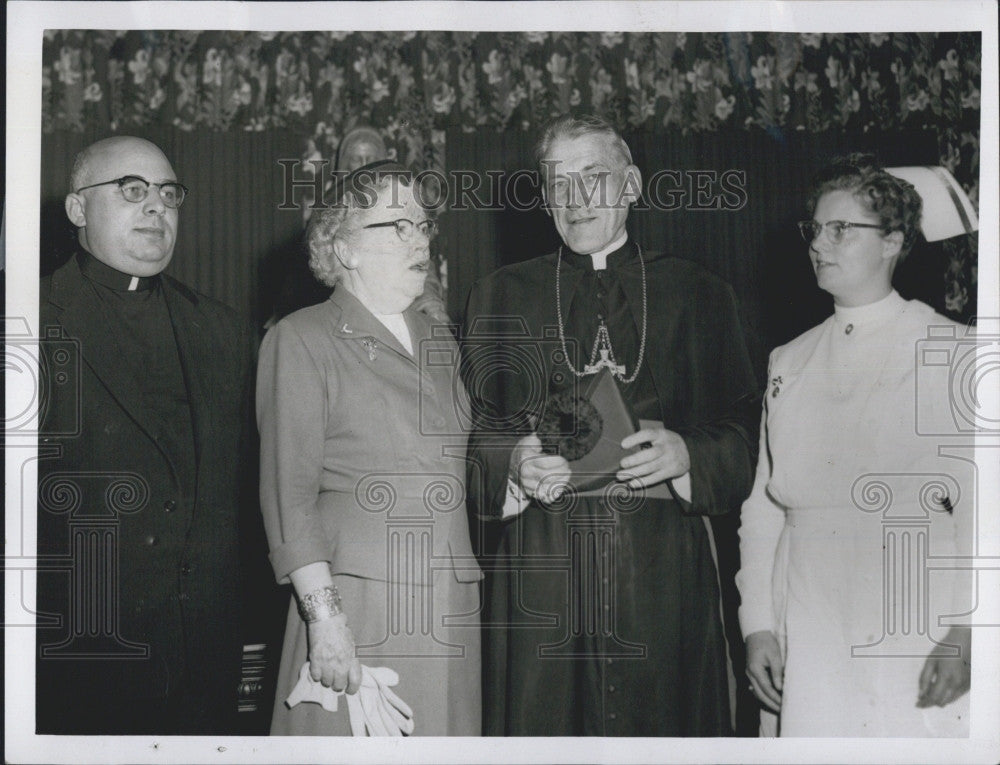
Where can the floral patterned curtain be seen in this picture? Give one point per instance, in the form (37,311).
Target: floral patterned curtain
(412,86)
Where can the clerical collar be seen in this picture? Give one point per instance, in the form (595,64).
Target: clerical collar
(100,272)
(600,258)
(615,254)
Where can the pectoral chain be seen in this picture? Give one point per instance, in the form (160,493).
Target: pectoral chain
(602,343)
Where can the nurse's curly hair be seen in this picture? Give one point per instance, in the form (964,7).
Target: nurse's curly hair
(892,200)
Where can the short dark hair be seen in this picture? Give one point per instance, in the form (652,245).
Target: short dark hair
(81,165)
(895,202)
(569,126)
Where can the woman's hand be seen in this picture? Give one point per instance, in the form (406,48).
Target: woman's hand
(946,678)
(331,654)
(764,668)
(330,641)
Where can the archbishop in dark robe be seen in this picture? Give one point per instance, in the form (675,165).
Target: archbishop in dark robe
(602,607)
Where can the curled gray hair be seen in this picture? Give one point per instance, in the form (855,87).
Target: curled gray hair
(338,222)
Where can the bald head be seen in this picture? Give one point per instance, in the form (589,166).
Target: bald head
(136,238)
(101,152)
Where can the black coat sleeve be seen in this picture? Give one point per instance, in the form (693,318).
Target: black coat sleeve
(485,375)
(722,441)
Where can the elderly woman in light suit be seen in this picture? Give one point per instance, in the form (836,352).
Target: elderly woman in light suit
(362,465)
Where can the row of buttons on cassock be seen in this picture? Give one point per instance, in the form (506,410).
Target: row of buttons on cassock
(168,507)
(611,689)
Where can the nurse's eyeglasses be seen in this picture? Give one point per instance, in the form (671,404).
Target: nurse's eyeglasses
(834,229)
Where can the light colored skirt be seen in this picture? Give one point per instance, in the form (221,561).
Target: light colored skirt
(852,659)
(428,635)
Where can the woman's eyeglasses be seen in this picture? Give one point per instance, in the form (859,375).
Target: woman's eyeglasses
(835,229)
(405,227)
(135,189)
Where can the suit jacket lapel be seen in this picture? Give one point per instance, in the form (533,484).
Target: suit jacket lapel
(631,276)
(196,357)
(426,341)
(632,285)
(358,323)
(631,281)
(568,283)
(85,319)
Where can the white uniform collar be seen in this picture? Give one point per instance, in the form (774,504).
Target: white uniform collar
(864,314)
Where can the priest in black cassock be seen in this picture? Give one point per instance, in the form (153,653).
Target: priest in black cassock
(602,607)
(144,455)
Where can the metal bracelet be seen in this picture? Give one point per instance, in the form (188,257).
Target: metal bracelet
(320,604)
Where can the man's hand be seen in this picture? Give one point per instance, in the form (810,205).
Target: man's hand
(946,678)
(764,668)
(542,476)
(666,457)
(331,654)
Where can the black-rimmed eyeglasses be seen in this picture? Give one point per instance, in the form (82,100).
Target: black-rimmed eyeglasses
(135,189)
(405,227)
(835,229)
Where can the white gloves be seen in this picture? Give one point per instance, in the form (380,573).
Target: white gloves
(375,710)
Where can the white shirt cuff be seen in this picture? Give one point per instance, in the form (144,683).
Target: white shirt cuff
(754,620)
(682,485)
(516,500)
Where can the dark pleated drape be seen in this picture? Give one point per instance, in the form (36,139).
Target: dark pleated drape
(509,227)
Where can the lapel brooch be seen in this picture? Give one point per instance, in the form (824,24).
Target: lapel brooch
(371,344)
(776,382)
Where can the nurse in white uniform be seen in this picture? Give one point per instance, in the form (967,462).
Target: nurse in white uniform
(847,633)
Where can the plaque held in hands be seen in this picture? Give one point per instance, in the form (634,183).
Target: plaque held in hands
(586,425)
